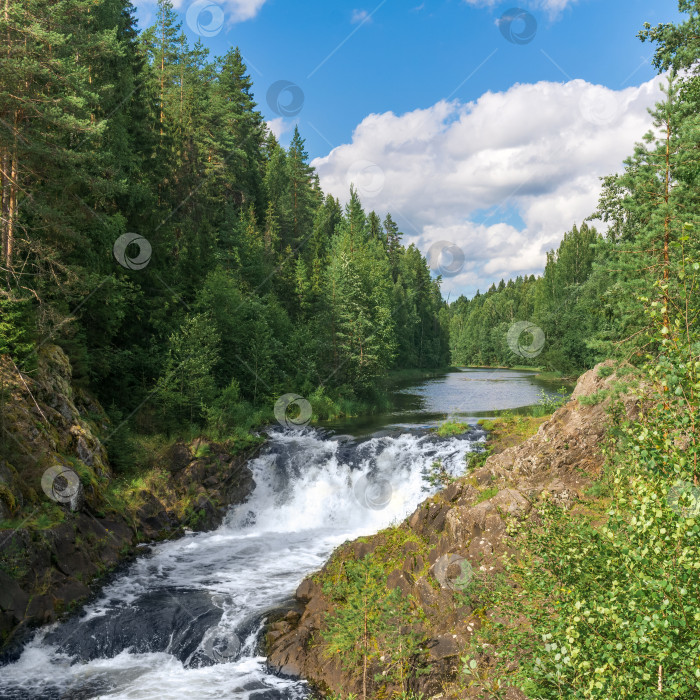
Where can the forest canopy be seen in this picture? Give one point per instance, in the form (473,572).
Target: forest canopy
(156,230)
(193,269)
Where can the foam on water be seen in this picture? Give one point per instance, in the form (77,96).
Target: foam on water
(312,493)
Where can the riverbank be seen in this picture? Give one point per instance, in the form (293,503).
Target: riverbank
(410,375)
(541,373)
(66,518)
(414,584)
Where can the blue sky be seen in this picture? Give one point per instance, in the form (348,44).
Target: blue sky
(439,75)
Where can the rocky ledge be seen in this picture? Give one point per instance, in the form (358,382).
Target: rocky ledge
(423,555)
(62,524)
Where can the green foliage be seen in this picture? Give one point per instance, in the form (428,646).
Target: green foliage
(595,398)
(601,488)
(450,428)
(187,385)
(231,416)
(260,285)
(551,403)
(203,450)
(370,626)
(476,460)
(7,497)
(613,609)
(486,494)
(626,380)
(16,328)
(257,284)
(559,303)
(327,407)
(438,476)
(44,517)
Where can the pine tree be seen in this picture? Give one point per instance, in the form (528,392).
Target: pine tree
(658,195)
(304,196)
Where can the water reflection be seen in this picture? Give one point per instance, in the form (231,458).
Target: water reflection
(467,395)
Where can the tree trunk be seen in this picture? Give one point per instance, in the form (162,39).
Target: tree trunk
(8,187)
(4,202)
(12,209)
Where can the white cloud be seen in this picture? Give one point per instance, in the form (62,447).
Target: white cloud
(279,126)
(359,16)
(555,5)
(234,10)
(242,10)
(503,177)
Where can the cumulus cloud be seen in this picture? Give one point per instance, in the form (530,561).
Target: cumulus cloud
(503,177)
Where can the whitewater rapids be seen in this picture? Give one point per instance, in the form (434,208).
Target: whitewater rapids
(185,619)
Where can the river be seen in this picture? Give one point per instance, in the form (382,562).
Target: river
(185,619)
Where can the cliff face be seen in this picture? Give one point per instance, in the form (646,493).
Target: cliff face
(466,522)
(46,425)
(62,522)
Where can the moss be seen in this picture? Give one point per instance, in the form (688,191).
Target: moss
(451,428)
(45,517)
(203,450)
(391,551)
(509,430)
(388,555)
(487,424)
(8,497)
(14,561)
(486,494)
(86,474)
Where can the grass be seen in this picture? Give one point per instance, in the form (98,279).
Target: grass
(43,517)
(450,428)
(486,494)
(389,554)
(509,430)
(506,431)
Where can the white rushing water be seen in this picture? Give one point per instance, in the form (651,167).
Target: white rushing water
(198,604)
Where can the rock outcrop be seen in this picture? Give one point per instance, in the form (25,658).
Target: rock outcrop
(61,525)
(462,529)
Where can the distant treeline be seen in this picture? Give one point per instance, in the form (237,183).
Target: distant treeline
(563,303)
